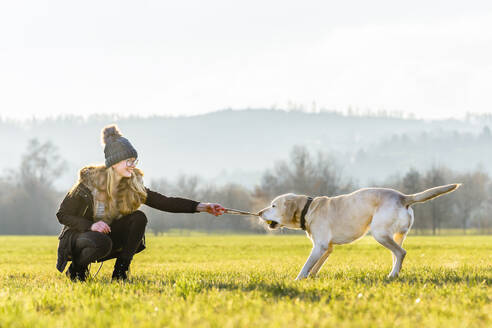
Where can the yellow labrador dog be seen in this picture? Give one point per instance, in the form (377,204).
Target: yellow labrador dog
(343,219)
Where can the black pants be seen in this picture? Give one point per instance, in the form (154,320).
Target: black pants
(126,233)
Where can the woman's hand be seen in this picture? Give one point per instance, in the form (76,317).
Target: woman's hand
(101,226)
(212,208)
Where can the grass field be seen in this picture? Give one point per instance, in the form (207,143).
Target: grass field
(248,281)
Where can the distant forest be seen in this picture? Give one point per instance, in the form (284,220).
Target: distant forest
(29,200)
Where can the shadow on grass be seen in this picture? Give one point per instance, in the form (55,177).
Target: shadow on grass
(321,289)
(266,290)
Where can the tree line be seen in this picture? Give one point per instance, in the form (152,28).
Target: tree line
(29,199)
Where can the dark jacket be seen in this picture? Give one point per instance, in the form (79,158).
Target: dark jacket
(76,214)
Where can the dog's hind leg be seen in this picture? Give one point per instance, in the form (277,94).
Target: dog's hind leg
(316,253)
(389,226)
(405,219)
(321,261)
(388,242)
(398,238)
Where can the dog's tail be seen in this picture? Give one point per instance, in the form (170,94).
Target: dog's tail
(429,194)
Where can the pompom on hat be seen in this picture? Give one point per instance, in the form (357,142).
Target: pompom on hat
(116,147)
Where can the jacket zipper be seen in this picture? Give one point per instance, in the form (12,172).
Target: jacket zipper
(86,207)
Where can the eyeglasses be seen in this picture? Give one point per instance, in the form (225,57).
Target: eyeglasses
(130,163)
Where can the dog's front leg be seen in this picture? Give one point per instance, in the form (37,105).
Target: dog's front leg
(313,258)
(319,264)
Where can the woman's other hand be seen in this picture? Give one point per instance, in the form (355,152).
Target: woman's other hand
(212,208)
(101,226)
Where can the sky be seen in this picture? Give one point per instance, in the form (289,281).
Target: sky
(428,58)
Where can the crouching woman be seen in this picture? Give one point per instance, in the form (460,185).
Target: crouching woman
(100,213)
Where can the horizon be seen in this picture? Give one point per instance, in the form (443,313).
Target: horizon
(349,113)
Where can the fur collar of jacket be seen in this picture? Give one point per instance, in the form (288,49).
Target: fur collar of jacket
(129,195)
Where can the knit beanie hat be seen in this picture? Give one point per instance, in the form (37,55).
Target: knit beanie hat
(116,147)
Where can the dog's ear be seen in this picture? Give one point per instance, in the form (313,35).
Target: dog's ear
(290,206)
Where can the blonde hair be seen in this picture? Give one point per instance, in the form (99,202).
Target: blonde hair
(121,198)
(124,197)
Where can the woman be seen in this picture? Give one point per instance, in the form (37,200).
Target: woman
(100,213)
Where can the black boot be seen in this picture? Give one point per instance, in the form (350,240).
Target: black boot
(76,273)
(120,271)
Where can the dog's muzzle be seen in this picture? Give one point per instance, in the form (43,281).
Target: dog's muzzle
(272,224)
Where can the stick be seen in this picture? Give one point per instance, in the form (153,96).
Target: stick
(238,212)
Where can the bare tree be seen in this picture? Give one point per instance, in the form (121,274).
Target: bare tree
(302,174)
(472,196)
(31,203)
(438,209)
(41,164)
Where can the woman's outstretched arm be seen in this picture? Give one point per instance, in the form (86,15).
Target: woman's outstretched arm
(180,205)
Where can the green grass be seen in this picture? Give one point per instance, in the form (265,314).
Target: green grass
(248,281)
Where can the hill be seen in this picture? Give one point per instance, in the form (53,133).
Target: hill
(238,145)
